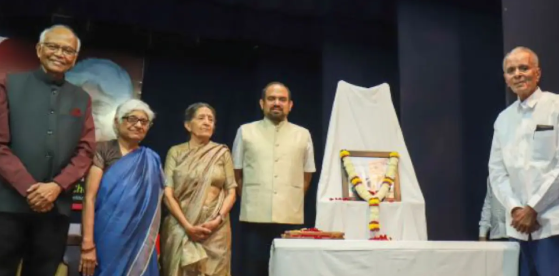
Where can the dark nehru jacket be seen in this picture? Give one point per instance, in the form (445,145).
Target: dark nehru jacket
(46,135)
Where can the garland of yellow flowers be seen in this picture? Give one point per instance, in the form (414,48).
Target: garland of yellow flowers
(363,192)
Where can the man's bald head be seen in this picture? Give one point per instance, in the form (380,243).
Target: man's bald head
(58,49)
(62,30)
(521,69)
(533,56)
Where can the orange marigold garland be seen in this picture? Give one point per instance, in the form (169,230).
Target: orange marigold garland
(372,198)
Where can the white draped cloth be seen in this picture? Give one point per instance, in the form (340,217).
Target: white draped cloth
(364,119)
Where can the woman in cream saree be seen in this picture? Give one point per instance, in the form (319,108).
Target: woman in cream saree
(200,191)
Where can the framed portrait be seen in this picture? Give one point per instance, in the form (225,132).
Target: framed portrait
(371,167)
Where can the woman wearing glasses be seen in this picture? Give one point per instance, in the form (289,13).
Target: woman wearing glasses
(121,213)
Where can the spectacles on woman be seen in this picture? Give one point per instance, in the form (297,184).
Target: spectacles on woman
(134,120)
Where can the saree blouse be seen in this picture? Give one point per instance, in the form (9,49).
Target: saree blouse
(106,154)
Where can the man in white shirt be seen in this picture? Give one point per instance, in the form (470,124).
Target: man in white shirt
(492,218)
(274,162)
(524,165)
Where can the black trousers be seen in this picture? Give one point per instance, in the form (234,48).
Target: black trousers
(257,240)
(37,239)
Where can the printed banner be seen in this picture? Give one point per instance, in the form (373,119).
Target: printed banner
(110,78)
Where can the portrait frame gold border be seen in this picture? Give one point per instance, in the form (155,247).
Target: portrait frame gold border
(370,154)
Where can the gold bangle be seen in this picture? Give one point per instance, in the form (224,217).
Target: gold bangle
(88,249)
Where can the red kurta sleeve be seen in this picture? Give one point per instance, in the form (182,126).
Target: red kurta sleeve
(11,169)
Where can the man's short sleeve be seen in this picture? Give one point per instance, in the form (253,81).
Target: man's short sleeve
(238,151)
(309,157)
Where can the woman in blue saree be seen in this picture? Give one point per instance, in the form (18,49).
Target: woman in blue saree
(121,213)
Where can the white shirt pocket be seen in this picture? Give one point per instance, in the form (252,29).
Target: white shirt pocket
(543,145)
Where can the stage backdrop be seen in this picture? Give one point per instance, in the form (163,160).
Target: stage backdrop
(110,78)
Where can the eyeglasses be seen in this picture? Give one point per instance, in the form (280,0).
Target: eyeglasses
(134,120)
(67,51)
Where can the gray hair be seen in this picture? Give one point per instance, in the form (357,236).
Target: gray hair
(522,49)
(190,112)
(130,106)
(47,30)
